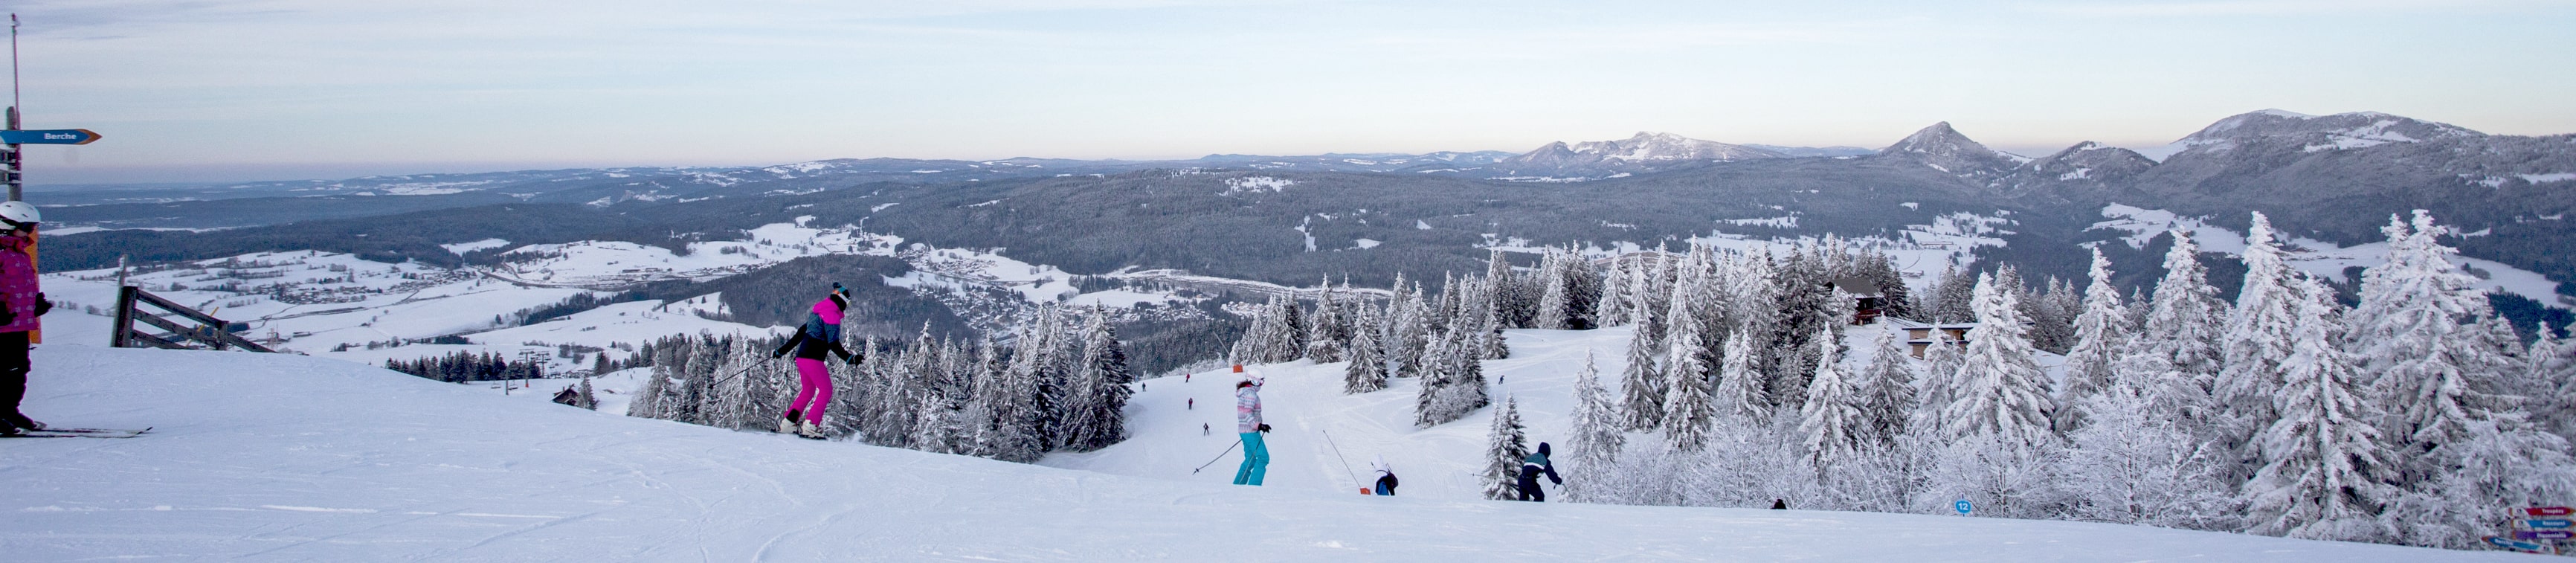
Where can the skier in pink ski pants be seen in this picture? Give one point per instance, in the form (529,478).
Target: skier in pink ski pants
(820,335)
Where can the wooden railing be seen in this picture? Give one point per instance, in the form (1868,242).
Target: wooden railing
(207,331)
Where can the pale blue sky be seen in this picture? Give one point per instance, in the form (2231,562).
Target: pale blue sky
(192,90)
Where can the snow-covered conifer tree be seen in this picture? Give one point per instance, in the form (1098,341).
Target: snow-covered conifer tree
(2324,467)
(2101,332)
(1100,388)
(1689,404)
(2256,340)
(1940,384)
(1367,369)
(1739,397)
(1505,447)
(1831,420)
(1556,298)
(1616,303)
(2181,333)
(1886,388)
(1596,440)
(1328,335)
(1641,385)
(2002,392)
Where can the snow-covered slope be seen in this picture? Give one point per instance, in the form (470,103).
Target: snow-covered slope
(273,457)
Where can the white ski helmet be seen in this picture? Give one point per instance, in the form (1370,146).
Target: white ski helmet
(18,213)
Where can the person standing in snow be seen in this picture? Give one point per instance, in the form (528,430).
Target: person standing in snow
(21,302)
(1247,423)
(1531,467)
(1385,477)
(820,335)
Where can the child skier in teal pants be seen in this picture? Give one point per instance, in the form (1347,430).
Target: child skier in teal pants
(1247,422)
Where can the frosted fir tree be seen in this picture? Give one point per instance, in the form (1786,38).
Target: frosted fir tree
(1616,302)
(1100,388)
(1952,299)
(2181,332)
(648,398)
(1641,385)
(1328,335)
(1596,440)
(1739,398)
(1887,389)
(2257,337)
(1556,297)
(2430,368)
(2324,466)
(1505,447)
(1654,294)
(2552,365)
(1831,420)
(1490,344)
(1429,405)
(2101,332)
(1367,369)
(1690,409)
(1466,389)
(1940,383)
(1409,335)
(2002,392)
(586,400)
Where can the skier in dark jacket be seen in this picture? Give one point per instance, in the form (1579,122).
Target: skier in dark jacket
(21,302)
(820,335)
(1385,477)
(1531,467)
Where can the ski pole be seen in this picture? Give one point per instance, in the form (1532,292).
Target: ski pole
(1219,455)
(736,373)
(1337,454)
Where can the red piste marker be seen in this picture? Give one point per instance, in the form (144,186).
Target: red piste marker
(2549,511)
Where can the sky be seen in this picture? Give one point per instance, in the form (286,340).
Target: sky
(215,91)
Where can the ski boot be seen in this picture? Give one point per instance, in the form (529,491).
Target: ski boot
(809,431)
(788,425)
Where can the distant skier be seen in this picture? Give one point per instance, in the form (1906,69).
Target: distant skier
(1531,467)
(820,335)
(1247,422)
(1385,477)
(21,302)
(1779,504)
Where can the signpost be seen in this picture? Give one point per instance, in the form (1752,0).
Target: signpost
(49,136)
(2519,545)
(2533,534)
(1963,507)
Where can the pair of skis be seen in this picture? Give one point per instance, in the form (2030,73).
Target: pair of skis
(79,433)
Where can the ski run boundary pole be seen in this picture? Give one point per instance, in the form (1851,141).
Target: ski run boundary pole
(1337,454)
(1219,455)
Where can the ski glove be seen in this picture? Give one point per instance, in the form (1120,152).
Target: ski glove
(42,305)
(7,316)
(1265,429)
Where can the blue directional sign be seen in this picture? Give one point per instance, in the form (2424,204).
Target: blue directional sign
(2547,523)
(2518,545)
(1962,506)
(48,136)
(2543,534)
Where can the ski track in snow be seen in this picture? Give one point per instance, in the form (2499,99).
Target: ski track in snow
(277,457)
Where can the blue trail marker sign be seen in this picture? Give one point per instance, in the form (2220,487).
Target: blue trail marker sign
(48,136)
(1962,506)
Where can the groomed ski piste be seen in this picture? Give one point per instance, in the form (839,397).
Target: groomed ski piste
(281,457)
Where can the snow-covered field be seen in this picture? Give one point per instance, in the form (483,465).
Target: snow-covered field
(2321,258)
(277,457)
